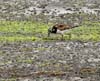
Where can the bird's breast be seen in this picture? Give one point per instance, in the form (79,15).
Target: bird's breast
(62,31)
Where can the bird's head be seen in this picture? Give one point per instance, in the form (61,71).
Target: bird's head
(52,30)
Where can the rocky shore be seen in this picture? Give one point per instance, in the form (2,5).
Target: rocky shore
(50,61)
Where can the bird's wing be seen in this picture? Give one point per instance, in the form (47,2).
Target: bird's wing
(62,27)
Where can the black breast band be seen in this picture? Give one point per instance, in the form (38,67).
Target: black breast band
(54,29)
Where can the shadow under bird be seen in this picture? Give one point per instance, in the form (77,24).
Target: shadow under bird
(61,29)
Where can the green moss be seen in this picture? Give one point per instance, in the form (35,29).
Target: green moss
(29,61)
(12,31)
(22,26)
(86,32)
(17,38)
(9,79)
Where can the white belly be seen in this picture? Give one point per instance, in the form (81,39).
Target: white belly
(62,32)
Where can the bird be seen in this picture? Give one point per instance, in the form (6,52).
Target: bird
(61,29)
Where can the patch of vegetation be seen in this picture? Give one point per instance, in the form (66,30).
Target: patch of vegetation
(12,31)
(89,31)
(10,79)
(21,31)
(17,38)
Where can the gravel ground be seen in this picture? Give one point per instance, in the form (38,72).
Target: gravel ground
(50,61)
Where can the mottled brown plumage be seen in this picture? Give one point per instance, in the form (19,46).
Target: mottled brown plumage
(60,28)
